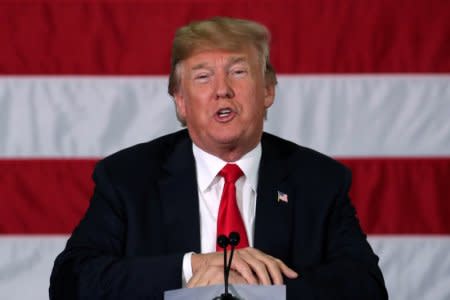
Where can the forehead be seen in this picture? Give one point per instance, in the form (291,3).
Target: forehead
(213,57)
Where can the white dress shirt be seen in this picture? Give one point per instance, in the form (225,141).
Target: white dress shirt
(210,186)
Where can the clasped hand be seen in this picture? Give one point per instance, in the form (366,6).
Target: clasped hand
(249,266)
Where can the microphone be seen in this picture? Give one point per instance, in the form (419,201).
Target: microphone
(233,239)
(223,243)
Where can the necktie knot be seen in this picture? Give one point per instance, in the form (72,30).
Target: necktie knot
(231,173)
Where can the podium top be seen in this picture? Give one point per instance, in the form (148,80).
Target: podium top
(240,291)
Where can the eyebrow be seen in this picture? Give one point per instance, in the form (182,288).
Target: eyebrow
(199,66)
(237,59)
(232,61)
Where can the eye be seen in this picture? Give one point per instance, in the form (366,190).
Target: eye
(239,72)
(202,77)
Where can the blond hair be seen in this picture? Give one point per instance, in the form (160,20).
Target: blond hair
(220,33)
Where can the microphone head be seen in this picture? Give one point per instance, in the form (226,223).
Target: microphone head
(222,241)
(234,238)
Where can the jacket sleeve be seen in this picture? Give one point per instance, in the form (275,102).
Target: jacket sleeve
(349,268)
(94,264)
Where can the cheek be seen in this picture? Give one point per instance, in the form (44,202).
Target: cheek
(253,101)
(196,106)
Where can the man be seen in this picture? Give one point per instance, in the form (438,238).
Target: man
(158,207)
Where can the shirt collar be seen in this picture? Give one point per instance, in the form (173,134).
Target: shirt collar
(208,166)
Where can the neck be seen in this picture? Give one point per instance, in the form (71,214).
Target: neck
(228,153)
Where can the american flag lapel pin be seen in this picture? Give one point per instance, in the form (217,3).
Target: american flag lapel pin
(282,197)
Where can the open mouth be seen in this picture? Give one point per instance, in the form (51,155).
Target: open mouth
(225,114)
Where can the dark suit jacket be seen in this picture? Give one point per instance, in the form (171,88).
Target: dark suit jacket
(144,216)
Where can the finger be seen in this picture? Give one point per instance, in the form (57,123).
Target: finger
(258,266)
(206,259)
(275,267)
(201,263)
(199,278)
(235,278)
(242,267)
(195,278)
(213,276)
(274,271)
(206,276)
(198,261)
(288,272)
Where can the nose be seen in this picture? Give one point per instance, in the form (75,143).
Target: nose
(224,89)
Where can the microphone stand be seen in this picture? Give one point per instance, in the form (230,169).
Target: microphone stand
(226,272)
(223,242)
(233,239)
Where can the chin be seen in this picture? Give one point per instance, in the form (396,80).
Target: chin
(227,141)
(226,138)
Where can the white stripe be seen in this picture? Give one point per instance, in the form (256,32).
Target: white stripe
(25,265)
(365,115)
(338,115)
(81,116)
(414,267)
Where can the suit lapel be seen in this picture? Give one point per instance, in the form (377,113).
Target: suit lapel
(179,196)
(273,217)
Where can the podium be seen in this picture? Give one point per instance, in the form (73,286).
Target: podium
(240,291)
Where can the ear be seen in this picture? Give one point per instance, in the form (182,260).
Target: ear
(269,95)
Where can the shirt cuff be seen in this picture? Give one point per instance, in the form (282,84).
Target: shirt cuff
(187,269)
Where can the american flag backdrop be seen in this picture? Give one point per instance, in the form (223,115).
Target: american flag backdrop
(366,82)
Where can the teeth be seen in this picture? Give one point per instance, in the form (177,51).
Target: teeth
(224,112)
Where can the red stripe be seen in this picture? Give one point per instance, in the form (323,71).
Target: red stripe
(43,196)
(309,36)
(402,195)
(392,196)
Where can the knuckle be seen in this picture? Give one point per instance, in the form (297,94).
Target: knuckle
(279,262)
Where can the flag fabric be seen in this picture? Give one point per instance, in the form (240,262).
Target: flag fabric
(366,82)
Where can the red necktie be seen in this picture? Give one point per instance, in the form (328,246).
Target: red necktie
(229,218)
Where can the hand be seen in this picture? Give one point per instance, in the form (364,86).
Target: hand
(209,275)
(253,265)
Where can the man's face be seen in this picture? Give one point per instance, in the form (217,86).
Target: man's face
(223,98)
